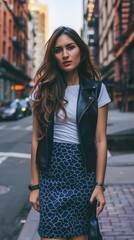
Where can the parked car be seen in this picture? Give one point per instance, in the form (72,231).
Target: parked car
(25,107)
(10,109)
(29,105)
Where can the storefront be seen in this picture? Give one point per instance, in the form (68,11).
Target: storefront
(13,82)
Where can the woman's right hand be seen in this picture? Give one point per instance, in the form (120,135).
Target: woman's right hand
(34,199)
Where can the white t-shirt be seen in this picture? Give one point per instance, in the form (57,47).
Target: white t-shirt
(66,131)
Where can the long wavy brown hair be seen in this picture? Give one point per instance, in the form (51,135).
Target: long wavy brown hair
(50,84)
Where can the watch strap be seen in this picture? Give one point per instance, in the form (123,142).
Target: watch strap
(33,187)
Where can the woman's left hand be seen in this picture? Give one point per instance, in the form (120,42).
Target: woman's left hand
(98,194)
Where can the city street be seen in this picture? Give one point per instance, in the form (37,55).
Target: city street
(57,49)
(116,221)
(15,142)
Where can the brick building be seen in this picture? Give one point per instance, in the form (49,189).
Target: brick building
(106,42)
(124,54)
(113,45)
(90,27)
(13,48)
(39,13)
(98,17)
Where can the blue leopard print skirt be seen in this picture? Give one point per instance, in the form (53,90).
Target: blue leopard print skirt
(65,189)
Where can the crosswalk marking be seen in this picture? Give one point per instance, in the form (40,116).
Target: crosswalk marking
(29,128)
(2,159)
(5,155)
(14,154)
(2,127)
(18,127)
(108,154)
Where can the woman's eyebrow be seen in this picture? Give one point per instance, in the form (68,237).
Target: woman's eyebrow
(66,45)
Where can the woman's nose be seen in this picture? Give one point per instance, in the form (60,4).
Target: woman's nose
(65,53)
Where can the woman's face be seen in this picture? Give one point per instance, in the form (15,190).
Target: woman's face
(67,53)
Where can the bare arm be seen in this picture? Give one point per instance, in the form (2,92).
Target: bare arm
(34,195)
(34,169)
(101,144)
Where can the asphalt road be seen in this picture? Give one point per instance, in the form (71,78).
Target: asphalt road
(15,146)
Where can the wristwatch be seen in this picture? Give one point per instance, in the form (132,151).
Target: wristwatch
(33,187)
(101,185)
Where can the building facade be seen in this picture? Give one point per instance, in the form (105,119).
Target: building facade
(39,14)
(124,54)
(115,49)
(31,46)
(13,49)
(90,27)
(85,29)
(106,42)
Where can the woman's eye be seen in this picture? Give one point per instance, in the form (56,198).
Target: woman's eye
(71,47)
(57,50)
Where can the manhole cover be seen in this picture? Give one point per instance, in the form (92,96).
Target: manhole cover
(4,189)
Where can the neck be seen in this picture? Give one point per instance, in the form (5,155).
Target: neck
(72,78)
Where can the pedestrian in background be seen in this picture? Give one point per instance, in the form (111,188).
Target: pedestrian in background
(69,147)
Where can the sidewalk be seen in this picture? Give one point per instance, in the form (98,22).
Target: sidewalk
(117,219)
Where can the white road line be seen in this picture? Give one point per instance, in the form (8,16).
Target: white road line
(15,128)
(108,154)
(3,126)
(29,128)
(18,127)
(26,155)
(2,159)
(14,154)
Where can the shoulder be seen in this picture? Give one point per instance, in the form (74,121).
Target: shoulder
(90,83)
(98,83)
(103,97)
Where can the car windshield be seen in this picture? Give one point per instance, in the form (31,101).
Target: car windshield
(23,103)
(13,104)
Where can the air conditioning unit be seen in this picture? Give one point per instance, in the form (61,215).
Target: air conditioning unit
(11,7)
(4,56)
(14,64)
(14,38)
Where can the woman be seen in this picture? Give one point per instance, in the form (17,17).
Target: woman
(69,147)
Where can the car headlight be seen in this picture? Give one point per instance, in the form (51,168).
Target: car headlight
(23,109)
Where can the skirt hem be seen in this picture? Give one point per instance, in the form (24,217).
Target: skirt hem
(63,236)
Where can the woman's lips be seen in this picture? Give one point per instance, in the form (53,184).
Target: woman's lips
(67,63)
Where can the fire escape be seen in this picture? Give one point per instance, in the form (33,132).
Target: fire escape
(124,48)
(92,21)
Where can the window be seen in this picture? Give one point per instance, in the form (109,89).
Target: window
(9,54)
(4,47)
(10,28)
(4,22)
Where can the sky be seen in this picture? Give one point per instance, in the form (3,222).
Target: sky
(64,13)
